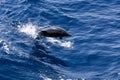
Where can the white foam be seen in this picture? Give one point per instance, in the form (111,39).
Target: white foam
(28,29)
(5,46)
(66,44)
(44,77)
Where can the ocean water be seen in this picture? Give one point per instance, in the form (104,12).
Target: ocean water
(91,53)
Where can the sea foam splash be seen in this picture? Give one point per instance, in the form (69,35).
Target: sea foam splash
(28,29)
(4,46)
(66,44)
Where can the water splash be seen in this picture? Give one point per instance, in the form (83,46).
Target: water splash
(66,44)
(28,29)
(4,46)
(44,77)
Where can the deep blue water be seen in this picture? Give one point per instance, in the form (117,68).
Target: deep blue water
(91,53)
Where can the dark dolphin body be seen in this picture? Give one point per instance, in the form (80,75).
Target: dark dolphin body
(54,32)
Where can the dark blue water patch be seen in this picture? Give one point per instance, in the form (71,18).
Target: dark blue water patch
(58,18)
(81,6)
(65,20)
(33,13)
(75,5)
(35,1)
(49,59)
(42,54)
(94,79)
(117,2)
(92,63)
(111,76)
(4,77)
(24,12)
(107,1)
(17,68)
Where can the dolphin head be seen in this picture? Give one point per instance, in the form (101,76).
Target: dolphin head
(43,33)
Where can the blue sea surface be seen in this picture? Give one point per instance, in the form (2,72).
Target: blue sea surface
(91,53)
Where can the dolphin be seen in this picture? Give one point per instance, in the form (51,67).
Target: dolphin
(54,32)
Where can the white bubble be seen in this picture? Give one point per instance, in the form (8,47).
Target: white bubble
(45,77)
(5,46)
(28,29)
(66,44)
